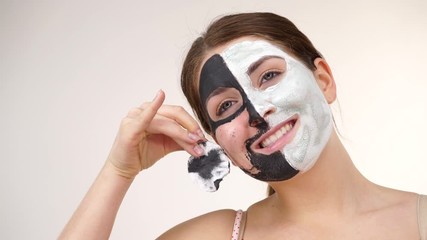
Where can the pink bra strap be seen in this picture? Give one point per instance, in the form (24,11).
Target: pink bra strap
(236,226)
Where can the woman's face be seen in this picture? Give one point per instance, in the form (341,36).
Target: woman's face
(265,109)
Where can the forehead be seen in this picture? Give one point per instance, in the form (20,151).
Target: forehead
(247,48)
(242,54)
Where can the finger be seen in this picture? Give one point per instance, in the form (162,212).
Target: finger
(172,145)
(163,125)
(134,112)
(192,148)
(146,116)
(175,133)
(182,117)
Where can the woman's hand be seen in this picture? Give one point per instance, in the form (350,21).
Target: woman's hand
(150,132)
(146,134)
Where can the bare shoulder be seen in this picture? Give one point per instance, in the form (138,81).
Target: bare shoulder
(403,199)
(213,225)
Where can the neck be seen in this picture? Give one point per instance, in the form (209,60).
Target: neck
(332,185)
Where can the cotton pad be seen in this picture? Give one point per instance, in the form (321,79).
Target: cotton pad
(208,170)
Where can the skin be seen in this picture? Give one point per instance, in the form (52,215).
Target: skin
(322,203)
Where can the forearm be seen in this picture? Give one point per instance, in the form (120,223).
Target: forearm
(94,218)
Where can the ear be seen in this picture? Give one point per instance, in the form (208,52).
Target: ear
(325,80)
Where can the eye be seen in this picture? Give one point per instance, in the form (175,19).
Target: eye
(224,106)
(223,102)
(269,76)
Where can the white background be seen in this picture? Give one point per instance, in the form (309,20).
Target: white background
(70,70)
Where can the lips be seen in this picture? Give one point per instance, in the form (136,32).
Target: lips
(276,138)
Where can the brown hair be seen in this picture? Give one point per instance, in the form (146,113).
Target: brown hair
(269,26)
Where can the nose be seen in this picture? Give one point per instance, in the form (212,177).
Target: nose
(256,122)
(267,110)
(260,114)
(258,119)
(262,117)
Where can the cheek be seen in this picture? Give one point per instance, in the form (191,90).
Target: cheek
(232,136)
(290,92)
(288,95)
(233,133)
(228,135)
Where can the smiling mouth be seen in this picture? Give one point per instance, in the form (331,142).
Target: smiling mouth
(276,138)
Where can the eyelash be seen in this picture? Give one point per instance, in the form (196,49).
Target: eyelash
(275,74)
(221,109)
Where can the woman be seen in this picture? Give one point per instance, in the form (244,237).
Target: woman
(261,90)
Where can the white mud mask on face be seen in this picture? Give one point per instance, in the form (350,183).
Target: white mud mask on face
(284,103)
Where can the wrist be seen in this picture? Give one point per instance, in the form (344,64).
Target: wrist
(112,169)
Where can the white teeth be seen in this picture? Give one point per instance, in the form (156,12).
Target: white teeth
(278,134)
(266,142)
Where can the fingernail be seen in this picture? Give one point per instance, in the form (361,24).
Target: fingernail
(199,150)
(193,136)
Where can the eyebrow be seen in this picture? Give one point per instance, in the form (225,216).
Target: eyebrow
(256,64)
(216,92)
